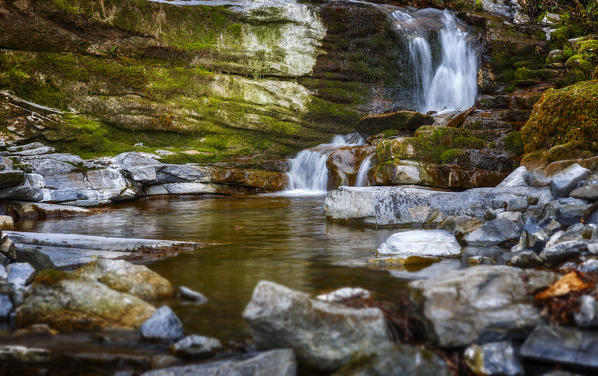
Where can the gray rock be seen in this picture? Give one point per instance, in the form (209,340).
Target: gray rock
(50,166)
(6,306)
(460,225)
(4,260)
(30,146)
(565,181)
(570,214)
(10,178)
(589,266)
(187,294)
(395,359)
(562,345)
(518,178)
(20,273)
(3,273)
(563,251)
(588,312)
(35,151)
(134,159)
(422,243)
(269,363)
(323,335)
(587,191)
(526,259)
(533,237)
(181,173)
(195,346)
(481,303)
(496,231)
(496,358)
(162,326)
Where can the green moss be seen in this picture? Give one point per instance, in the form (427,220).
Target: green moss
(51,277)
(514,143)
(453,156)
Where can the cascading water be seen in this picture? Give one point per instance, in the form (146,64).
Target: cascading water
(362,173)
(308,173)
(447,83)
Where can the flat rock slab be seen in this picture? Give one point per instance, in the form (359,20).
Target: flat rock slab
(562,345)
(46,250)
(423,243)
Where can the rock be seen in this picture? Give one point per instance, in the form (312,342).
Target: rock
(481,303)
(558,344)
(20,274)
(461,225)
(526,259)
(565,181)
(269,363)
(400,120)
(395,359)
(6,306)
(563,251)
(10,178)
(6,222)
(34,151)
(589,266)
(30,146)
(532,237)
(134,159)
(35,329)
(569,213)
(60,301)
(518,178)
(195,346)
(324,336)
(587,316)
(496,358)
(23,355)
(188,294)
(3,273)
(123,276)
(496,231)
(588,191)
(162,326)
(421,243)
(344,293)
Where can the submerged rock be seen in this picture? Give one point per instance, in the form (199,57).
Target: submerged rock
(64,302)
(481,303)
(123,276)
(162,326)
(324,336)
(195,346)
(421,243)
(496,358)
(269,363)
(188,294)
(562,345)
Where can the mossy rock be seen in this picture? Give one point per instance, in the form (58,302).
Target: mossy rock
(399,120)
(563,116)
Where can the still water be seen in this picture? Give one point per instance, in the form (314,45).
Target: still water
(281,239)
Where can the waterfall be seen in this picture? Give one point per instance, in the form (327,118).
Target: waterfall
(362,173)
(308,173)
(443,83)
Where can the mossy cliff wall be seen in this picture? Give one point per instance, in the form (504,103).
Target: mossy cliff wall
(225,81)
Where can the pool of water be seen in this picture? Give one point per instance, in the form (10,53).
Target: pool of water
(281,239)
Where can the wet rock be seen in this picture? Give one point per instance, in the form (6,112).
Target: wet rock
(195,346)
(6,306)
(481,303)
(587,316)
(496,231)
(532,237)
(10,178)
(565,181)
(269,363)
(344,293)
(162,326)
(562,345)
(496,358)
(133,279)
(461,225)
(20,273)
(400,120)
(563,251)
(421,243)
(23,355)
(395,359)
(68,303)
(187,294)
(526,259)
(324,336)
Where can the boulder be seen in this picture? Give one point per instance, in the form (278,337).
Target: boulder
(399,120)
(563,182)
(20,273)
(421,243)
(323,335)
(388,358)
(67,303)
(133,279)
(162,326)
(195,346)
(269,363)
(496,358)
(518,178)
(481,303)
(494,232)
(557,344)
(563,251)
(588,189)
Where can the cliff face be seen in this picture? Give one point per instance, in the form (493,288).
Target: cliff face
(224,80)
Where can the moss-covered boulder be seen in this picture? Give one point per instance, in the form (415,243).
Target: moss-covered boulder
(398,120)
(563,124)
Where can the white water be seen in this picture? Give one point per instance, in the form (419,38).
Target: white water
(362,173)
(308,174)
(450,84)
